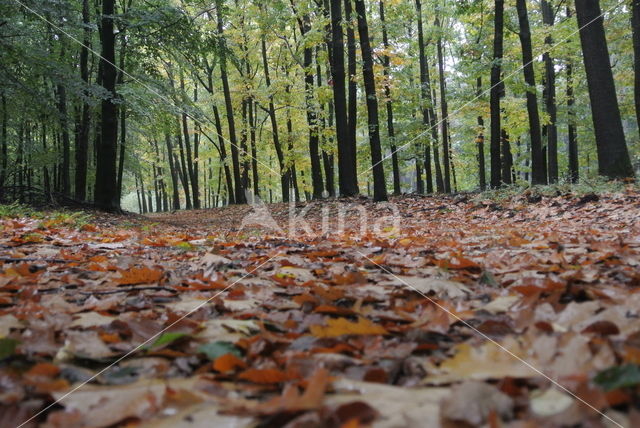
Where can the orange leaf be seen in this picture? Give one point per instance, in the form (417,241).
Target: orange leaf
(227,363)
(265,376)
(43,369)
(143,275)
(341,326)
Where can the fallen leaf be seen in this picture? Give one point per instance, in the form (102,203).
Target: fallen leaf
(473,401)
(229,362)
(263,376)
(141,275)
(341,326)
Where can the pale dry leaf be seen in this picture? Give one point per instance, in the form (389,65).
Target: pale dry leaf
(473,401)
(550,402)
(399,407)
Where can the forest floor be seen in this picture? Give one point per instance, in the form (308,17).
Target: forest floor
(428,311)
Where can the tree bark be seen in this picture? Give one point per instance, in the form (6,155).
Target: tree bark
(239,197)
(635,30)
(347,175)
(223,156)
(312,118)
(494,101)
(538,167)
(613,156)
(550,98)
(284,174)
(106,192)
(65,169)
(572,149)
(482,177)
(352,85)
(82,141)
(389,103)
(183,171)
(445,112)
(429,118)
(172,170)
(379,184)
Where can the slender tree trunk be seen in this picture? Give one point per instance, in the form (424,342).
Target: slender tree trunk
(635,29)
(138,195)
(193,160)
(389,104)
(429,118)
(143,195)
(550,99)
(352,85)
(496,87)
(538,167)
(244,156)
(223,156)
(252,139)
(123,113)
(445,112)
(572,149)
(82,141)
(327,158)
(106,192)
(613,156)
(61,92)
(379,184)
(45,170)
(183,171)
(507,158)
(347,174)
(284,175)
(3,144)
(312,119)
(482,177)
(239,197)
(174,175)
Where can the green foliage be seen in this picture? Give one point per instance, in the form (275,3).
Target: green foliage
(217,349)
(624,376)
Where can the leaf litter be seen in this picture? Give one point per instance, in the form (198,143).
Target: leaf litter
(343,328)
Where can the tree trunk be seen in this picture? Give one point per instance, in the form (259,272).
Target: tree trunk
(613,156)
(347,174)
(4,149)
(635,30)
(429,118)
(284,175)
(252,139)
(507,158)
(538,167)
(445,112)
(550,98)
(239,197)
(379,184)
(496,87)
(223,156)
(389,104)
(65,169)
(482,178)
(572,149)
(352,85)
(183,171)
(312,119)
(174,175)
(106,192)
(82,138)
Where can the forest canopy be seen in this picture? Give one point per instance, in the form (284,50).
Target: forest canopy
(168,104)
